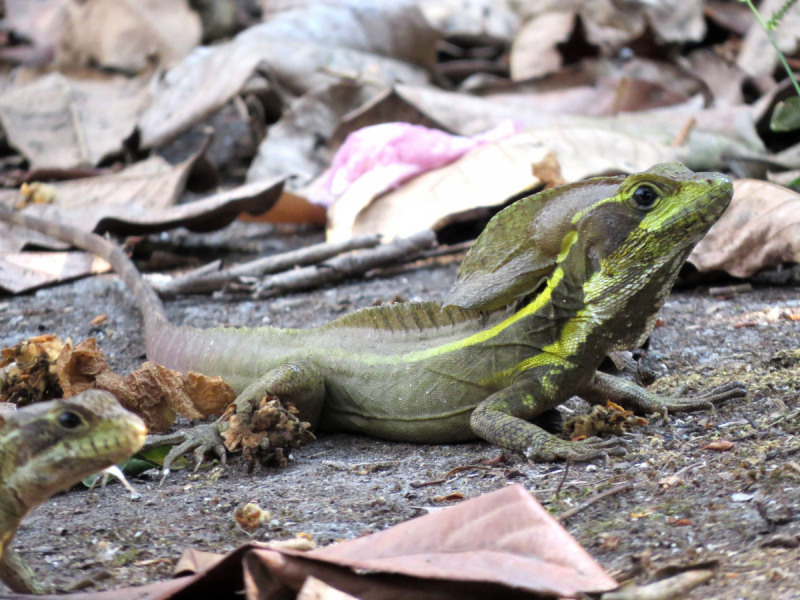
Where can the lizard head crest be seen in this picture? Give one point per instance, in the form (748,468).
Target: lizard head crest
(617,224)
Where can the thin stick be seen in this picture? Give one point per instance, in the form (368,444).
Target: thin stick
(563,479)
(589,501)
(341,267)
(203,281)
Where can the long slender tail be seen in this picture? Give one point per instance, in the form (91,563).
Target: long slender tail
(155,318)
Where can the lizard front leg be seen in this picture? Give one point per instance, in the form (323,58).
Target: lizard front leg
(503,419)
(247,422)
(603,387)
(18,576)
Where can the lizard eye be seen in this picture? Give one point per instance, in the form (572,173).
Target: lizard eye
(70,420)
(645,196)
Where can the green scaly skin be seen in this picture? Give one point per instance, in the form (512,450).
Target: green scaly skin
(51,446)
(585,270)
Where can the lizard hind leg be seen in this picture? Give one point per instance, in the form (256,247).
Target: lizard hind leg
(503,419)
(276,413)
(272,415)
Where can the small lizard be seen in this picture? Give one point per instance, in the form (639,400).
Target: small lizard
(584,270)
(50,446)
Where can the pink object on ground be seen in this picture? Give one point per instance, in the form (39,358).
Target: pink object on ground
(392,153)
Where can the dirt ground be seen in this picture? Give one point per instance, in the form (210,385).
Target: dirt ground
(687,504)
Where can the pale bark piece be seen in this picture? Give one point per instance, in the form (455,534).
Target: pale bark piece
(210,77)
(60,122)
(22,272)
(676,21)
(488,177)
(534,51)
(293,145)
(494,18)
(760,229)
(129,36)
(396,29)
(757,56)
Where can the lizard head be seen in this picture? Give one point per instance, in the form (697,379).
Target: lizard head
(630,246)
(50,446)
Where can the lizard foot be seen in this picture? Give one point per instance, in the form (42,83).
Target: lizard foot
(703,401)
(202,439)
(266,431)
(582,451)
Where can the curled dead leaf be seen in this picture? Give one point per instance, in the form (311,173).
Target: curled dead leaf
(153,392)
(28,370)
(454,497)
(719,445)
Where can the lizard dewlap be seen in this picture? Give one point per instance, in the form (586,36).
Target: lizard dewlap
(554,283)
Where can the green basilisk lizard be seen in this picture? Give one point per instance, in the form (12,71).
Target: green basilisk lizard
(584,268)
(50,446)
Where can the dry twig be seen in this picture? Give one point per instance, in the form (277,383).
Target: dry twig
(567,514)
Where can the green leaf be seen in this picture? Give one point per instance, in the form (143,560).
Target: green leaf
(786,116)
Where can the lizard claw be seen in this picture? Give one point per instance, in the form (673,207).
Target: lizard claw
(583,451)
(202,440)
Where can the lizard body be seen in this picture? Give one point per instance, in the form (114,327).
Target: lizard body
(589,268)
(50,446)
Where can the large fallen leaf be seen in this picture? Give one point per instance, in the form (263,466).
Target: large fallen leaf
(129,36)
(487,177)
(26,271)
(61,122)
(153,392)
(715,136)
(760,229)
(210,77)
(140,200)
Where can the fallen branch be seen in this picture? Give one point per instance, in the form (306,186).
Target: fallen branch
(666,589)
(589,501)
(211,278)
(336,269)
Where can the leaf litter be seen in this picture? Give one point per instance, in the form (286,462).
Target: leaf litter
(605,73)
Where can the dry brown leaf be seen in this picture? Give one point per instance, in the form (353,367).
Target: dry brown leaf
(250,516)
(292,146)
(486,177)
(28,372)
(26,271)
(128,37)
(140,199)
(153,392)
(61,122)
(210,77)
(760,229)
(719,445)
(534,52)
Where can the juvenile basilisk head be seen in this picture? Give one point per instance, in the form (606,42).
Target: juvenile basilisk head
(50,446)
(621,241)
